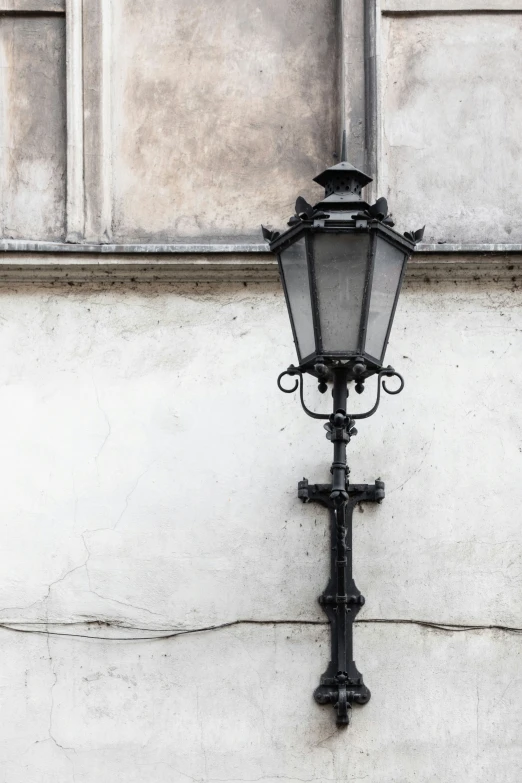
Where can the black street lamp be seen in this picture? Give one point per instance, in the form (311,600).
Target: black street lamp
(342,266)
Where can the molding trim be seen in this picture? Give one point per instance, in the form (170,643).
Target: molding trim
(29,246)
(397,7)
(202,248)
(118,264)
(74,82)
(97,15)
(433,267)
(371,91)
(91,94)
(32,7)
(352,80)
(477,247)
(106,268)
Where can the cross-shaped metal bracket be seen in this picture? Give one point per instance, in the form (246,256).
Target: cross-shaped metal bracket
(342,684)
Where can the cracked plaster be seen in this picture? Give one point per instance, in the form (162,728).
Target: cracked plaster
(151,464)
(239,708)
(150,470)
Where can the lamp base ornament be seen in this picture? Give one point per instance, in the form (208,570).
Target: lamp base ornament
(342,684)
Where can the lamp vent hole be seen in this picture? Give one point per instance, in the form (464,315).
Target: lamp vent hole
(343,185)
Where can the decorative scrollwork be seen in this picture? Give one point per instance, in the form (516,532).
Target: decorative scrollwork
(291,373)
(394,391)
(388,372)
(299,382)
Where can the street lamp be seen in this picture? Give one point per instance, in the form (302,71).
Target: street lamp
(341,266)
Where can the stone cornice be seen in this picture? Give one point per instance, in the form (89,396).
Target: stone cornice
(23,261)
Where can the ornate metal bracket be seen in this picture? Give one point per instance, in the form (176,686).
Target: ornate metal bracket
(342,684)
(388,372)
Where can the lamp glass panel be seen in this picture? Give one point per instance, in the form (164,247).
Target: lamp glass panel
(387,270)
(296,279)
(341,265)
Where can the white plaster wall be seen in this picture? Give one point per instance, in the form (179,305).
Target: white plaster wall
(149,470)
(235,705)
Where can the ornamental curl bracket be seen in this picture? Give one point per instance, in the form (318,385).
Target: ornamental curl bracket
(387,372)
(292,371)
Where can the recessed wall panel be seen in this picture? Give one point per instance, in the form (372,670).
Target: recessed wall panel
(451,118)
(33,127)
(221,114)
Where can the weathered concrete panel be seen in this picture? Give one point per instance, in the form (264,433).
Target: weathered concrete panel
(236,705)
(150,464)
(222,113)
(451,89)
(32,121)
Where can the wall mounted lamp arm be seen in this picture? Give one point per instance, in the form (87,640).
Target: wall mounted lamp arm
(388,372)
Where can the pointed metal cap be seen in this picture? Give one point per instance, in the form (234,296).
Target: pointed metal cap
(343,170)
(343,184)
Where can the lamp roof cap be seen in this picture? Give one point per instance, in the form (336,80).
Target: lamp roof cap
(344,167)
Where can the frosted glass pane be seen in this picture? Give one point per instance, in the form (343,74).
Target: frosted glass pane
(341,262)
(386,276)
(295,273)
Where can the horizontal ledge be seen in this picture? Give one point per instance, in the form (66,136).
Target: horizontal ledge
(31,261)
(202,248)
(80,267)
(450,6)
(218,267)
(33,246)
(463,248)
(32,7)
(31,14)
(468,12)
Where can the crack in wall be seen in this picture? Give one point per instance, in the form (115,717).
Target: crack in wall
(52,738)
(109,428)
(129,495)
(85,565)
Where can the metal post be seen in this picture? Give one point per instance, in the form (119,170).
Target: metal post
(341,684)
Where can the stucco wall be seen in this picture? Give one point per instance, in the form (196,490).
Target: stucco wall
(150,468)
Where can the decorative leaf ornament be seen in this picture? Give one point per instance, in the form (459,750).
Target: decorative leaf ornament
(377,211)
(269,235)
(415,236)
(304,211)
